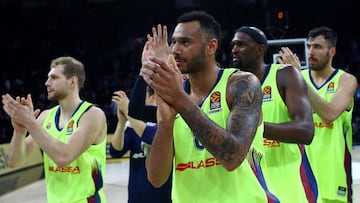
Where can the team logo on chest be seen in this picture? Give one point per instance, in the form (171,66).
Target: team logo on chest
(215,102)
(70,127)
(267,94)
(330,88)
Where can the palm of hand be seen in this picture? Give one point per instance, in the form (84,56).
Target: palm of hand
(160,50)
(158,42)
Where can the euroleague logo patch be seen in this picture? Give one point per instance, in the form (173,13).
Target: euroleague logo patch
(215,102)
(267,94)
(330,88)
(70,127)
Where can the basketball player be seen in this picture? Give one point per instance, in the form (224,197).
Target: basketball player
(287,120)
(331,94)
(72,136)
(205,124)
(137,136)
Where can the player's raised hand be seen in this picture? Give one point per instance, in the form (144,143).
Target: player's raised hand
(20,111)
(159,42)
(288,57)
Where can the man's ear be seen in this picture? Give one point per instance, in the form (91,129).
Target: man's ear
(74,81)
(332,51)
(261,49)
(212,46)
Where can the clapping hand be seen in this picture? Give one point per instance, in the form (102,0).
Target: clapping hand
(288,57)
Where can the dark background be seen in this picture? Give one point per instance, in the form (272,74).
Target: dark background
(107,36)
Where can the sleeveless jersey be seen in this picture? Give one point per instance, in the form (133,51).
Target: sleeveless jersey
(198,176)
(254,157)
(82,180)
(285,165)
(330,150)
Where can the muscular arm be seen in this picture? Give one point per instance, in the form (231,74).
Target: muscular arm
(230,145)
(244,96)
(340,102)
(293,90)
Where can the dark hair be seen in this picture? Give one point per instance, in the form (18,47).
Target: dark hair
(208,24)
(72,67)
(329,34)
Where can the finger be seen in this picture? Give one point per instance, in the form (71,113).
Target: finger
(280,60)
(159,64)
(172,62)
(154,34)
(289,50)
(149,67)
(122,94)
(165,33)
(30,103)
(115,99)
(159,32)
(22,100)
(10,105)
(116,92)
(149,38)
(36,113)
(148,81)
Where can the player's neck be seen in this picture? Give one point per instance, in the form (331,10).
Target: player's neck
(202,82)
(69,104)
(323,73)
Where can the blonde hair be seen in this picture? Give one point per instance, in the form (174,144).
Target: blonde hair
(72,67)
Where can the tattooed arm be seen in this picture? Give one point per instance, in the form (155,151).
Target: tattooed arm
(230,145)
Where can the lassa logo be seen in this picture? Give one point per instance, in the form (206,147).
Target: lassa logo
(202,164)
(66,169)
(323,125)
(271,143)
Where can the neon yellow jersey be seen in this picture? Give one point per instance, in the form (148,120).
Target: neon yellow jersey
(285,166)
(330,150)
(198,176)
(83,178)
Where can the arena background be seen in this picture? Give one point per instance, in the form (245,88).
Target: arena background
(108,35)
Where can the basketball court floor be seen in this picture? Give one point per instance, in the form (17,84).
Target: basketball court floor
(116,184)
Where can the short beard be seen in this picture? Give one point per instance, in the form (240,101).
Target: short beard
(197,61)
